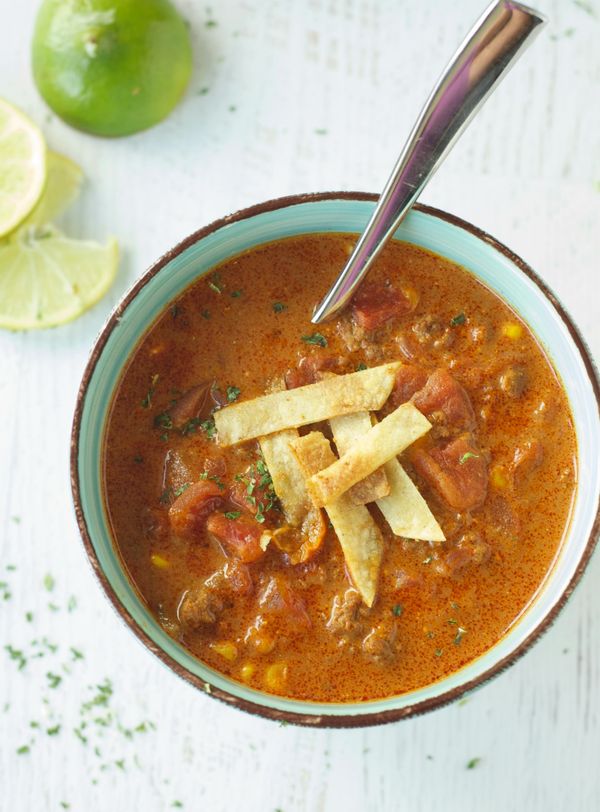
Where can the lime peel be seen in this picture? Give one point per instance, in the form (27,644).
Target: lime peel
(22,167)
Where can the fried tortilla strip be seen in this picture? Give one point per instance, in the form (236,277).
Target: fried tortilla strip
(379,444)
(344,394)
(288,478)
(405,510)
(357,533)
(347,429)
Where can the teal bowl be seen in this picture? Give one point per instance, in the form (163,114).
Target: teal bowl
(492,263)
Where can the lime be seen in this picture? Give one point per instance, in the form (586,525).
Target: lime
(22,167)
(111,67)
(47,279)
(63,182)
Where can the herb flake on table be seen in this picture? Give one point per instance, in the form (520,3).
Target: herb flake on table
(473,762)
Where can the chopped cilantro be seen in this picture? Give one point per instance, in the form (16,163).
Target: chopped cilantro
(23,750)
(54,680)
(175,310)
(460,318)
(16,655)
(210,24)
(205,314)
(235,294)
(53,731)
(48,582)
(460,633)
(438,652)
(232,514)
(182,489)
(361,367)
(209,427)
(147,401)
(428,560)
(233,393)
(315,338)
(469,455)
(190,426)
(320,131)
(214,283)
(472,763)
(138,459)
(279,307)
(163,421)
(397,609)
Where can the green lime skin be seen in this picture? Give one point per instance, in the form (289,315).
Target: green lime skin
(111,67)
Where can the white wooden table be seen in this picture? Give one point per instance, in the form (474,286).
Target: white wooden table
(302,95)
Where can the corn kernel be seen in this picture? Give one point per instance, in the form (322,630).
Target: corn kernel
(226,650)
(247,671)
(276,676)
(499,477)
(159,562)
(512,330)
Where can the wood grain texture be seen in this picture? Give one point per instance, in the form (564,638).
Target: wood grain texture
(302,95)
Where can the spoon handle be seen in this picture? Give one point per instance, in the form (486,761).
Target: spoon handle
(490,48)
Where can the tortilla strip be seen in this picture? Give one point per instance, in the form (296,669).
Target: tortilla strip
(357,533)
(405,510)
(288,479)
(347,429)
(379,444)
(368,389)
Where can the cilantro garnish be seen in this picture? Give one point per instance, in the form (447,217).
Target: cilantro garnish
(163,421)
(214,283)
(460,318)
(147,401)
(233,393)
(469,455)
(232,514)
(315,338)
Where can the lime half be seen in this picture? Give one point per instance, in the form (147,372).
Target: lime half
(47,279)
(22,167)
(111,67)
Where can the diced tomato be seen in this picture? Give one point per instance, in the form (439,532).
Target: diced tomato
(240,537)
(190,509)
(307,369)
(189,405)
(443,394)
(237,577)
(457,471)
(409,380)
(278,598)
(375,303)
(215,466)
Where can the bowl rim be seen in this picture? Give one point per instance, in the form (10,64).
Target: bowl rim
(322,720)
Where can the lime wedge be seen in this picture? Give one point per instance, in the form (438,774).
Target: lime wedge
(47,279)
(63,183)
(22,167)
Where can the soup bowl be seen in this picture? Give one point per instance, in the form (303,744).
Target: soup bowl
(490,262)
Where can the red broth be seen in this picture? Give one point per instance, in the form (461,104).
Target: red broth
(498,470)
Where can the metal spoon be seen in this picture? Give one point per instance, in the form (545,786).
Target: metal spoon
(490,48)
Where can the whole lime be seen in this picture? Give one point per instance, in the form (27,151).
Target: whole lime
(111,67)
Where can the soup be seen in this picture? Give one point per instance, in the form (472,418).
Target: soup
(362,592)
